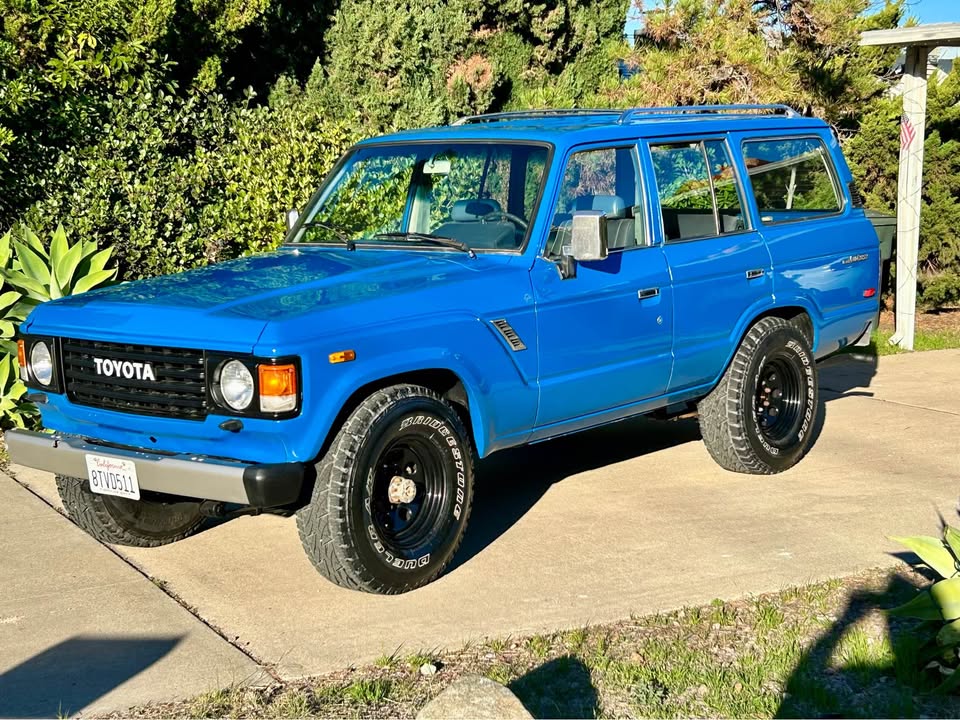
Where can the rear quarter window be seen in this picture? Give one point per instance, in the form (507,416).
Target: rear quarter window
(791,179)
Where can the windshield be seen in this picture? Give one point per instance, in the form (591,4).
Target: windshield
(481,195)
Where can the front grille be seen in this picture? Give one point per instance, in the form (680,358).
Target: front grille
(179,389)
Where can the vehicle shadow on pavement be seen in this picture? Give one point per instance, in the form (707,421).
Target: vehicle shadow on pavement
(847,374)
(511,482)
(65,678)
(560,688)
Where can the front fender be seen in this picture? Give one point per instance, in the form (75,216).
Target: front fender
(502,399)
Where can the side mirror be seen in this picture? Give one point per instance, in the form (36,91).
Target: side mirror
(589,236)
(292,216)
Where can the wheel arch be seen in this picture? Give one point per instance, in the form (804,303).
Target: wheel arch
(799,312)
(445,381)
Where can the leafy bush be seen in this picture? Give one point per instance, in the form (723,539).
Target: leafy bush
(31,274)
(174,184)
(938,605)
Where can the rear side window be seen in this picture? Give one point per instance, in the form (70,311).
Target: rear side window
(697,188)
(791,179)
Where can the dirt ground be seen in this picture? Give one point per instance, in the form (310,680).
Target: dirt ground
(944,319)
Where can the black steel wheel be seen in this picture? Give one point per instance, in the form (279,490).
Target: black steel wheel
(780,399)
(393,493)
(762,416)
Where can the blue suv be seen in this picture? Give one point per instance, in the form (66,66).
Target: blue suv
(450,292)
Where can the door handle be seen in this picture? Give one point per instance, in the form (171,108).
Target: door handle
(647,293)
(754,274)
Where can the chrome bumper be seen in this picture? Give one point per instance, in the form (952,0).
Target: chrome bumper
(260,485)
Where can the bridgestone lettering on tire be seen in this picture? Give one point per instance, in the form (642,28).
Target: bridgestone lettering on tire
(760,417)
(119,521)
(393,493)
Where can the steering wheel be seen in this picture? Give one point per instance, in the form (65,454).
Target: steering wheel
(502,215)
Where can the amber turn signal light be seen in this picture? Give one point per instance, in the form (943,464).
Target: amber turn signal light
(278,387)
(21,354)
(342,356)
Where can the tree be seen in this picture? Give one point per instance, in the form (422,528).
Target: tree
(873,152)
(393,64)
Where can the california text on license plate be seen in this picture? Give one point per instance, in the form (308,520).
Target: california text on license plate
(113,476)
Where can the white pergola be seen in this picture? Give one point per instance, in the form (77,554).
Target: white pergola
(918,41)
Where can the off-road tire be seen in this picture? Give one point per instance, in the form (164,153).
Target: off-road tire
(728,415)
(339,529)
(119,521)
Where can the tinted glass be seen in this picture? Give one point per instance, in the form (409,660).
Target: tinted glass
(684,191)
(725,188)
(482,194)
(607,180)
(791,179)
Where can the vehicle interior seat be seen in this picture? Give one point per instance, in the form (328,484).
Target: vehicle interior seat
(465,225)
(693,223)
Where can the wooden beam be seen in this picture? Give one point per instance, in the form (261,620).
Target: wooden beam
(909,184)
(932,35)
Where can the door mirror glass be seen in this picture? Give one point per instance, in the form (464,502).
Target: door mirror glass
(292,216)
(588,239)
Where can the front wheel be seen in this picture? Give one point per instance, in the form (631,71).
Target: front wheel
(120,521)
(760,417)
(392,495)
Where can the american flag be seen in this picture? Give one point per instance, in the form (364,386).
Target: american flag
(907,132)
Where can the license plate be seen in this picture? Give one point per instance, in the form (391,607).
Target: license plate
(113,476)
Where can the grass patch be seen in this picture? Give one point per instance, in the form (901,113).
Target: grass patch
(923,340)
(810,651)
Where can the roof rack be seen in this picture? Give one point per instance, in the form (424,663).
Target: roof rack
(524,114)
(785,110)
(631,114)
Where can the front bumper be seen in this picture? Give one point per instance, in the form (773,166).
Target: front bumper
(196,476)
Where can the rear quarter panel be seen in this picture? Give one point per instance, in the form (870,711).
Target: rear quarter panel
(825,264)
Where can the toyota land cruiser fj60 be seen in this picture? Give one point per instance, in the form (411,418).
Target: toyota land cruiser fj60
(450,292)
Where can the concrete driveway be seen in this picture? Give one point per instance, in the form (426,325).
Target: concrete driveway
(633,518)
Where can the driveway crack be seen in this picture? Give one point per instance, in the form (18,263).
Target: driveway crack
(161,585)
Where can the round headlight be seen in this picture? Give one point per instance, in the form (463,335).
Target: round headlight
(41,364)
(236,385)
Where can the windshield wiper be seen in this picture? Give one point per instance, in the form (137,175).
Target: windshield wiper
(340,234)
(429,238)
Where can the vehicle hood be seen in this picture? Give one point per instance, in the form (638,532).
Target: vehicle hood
(228,305)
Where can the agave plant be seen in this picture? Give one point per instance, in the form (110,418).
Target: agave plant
(32,274)
(938,604)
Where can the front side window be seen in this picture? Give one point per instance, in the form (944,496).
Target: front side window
(607,180)
(697,189)
(791,179)
(482,195)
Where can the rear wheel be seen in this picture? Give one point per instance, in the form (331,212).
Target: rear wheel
(392,495)
(119,521)
(760,417)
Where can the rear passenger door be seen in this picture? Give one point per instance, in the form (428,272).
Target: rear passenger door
(719,264)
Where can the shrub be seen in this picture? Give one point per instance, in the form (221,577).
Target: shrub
(177,183)
(30,274)
(938,605)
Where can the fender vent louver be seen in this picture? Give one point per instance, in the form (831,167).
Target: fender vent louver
(509,334)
